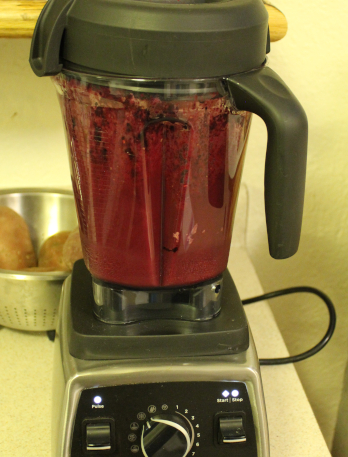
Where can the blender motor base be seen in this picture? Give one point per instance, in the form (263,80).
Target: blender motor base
(122,395)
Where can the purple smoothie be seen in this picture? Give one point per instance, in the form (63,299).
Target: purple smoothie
(155,181)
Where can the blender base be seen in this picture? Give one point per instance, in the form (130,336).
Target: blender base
(123,396)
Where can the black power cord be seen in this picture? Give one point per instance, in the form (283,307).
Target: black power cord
(323,342)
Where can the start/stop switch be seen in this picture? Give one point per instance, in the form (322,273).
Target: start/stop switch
(230,428)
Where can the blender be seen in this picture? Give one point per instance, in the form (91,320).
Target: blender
(153,354)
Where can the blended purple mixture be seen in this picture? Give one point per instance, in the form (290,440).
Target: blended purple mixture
(155,182)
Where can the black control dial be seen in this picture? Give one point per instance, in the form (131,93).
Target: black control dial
(167,435)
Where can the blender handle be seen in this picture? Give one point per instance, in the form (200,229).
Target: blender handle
(264,93)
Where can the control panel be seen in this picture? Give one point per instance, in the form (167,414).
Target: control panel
(174,419)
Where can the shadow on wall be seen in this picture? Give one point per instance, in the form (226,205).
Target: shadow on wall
(340,442)
(303,319)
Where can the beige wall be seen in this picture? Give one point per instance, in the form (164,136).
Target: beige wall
(32,142)
(313,60)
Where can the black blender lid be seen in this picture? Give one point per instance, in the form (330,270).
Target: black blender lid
(150,39)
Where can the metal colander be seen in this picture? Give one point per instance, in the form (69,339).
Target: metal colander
(29,300)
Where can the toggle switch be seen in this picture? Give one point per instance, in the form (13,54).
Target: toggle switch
(231,430)
(98,437)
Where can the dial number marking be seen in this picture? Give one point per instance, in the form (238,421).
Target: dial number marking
(192,431)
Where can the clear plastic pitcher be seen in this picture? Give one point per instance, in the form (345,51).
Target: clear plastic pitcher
(156,168)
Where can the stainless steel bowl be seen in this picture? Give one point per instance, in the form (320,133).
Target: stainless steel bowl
(29,300)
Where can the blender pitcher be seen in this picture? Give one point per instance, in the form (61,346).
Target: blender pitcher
(157,100)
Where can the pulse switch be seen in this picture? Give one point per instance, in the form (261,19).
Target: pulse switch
(98,437)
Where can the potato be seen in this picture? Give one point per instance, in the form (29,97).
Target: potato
(16,248)
(72,250)
(51,252)
(39,269)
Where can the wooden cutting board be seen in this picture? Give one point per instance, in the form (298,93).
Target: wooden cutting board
(18,19)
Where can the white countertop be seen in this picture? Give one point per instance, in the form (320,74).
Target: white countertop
(26,360)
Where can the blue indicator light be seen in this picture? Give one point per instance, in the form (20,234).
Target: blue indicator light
(225,393)
(97,399)
(235,393)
